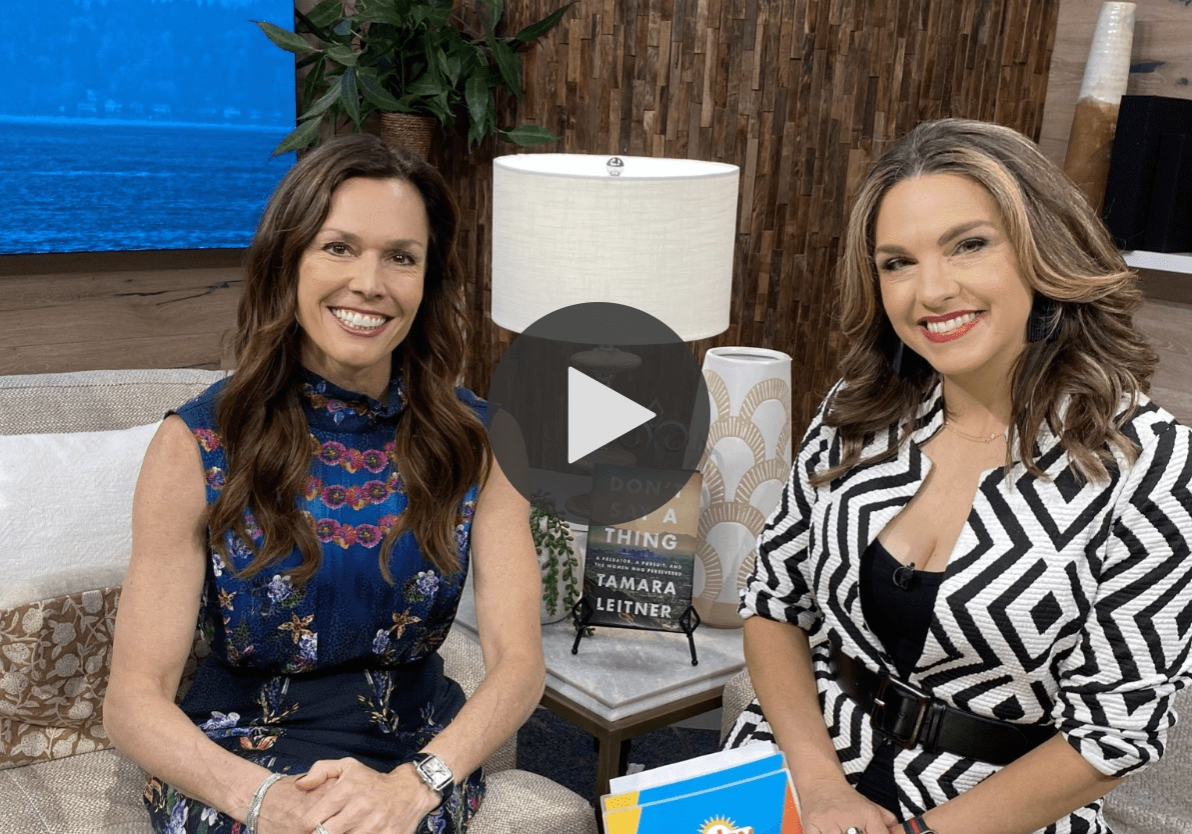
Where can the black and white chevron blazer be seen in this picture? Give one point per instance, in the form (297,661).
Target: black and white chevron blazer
(1063,602)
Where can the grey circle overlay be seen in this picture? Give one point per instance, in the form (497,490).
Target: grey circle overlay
(634,354)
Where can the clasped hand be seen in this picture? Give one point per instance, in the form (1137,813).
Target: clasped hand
(347,797)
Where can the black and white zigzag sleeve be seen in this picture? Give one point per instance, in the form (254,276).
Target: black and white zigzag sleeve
(1135,651)
(777,589)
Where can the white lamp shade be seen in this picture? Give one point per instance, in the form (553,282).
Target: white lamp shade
(658,237)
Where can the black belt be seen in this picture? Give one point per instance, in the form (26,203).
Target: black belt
(910,717)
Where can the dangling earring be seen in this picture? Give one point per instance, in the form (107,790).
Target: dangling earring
(898,360)
(904,361)
(1043,322)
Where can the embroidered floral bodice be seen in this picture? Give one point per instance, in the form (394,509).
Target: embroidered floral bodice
(346,613)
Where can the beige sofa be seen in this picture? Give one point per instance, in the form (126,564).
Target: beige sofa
(70,447)
(1156,801)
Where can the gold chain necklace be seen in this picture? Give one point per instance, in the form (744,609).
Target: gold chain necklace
(970,437)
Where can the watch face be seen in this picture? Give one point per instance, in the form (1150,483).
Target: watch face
(436,772)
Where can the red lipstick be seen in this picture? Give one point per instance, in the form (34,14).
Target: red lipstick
(952,335)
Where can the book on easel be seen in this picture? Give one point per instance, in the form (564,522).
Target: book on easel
(744,790)
(639,570)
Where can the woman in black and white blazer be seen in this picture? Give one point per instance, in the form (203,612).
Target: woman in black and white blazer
(973,606)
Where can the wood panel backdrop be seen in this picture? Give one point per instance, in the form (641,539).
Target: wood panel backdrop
(801,94)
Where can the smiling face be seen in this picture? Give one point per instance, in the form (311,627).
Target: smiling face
(949,278)
(360,282)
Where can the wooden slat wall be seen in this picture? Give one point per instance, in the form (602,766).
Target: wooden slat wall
(801,94)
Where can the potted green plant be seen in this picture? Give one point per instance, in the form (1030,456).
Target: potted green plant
(407,56)
(558,563)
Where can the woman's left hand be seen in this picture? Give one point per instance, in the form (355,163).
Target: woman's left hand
(361,800)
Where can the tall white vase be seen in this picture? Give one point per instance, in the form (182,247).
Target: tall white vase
(745,467)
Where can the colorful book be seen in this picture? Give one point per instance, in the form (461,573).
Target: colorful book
(638,571)
(746,790)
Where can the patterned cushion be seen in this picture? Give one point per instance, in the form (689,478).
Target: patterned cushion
(54,657)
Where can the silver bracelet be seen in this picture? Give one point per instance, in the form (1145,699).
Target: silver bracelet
(258,798)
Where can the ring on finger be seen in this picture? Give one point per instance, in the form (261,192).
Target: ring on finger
(319,829)
(851,830)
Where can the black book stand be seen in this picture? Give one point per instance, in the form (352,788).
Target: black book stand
(581,616)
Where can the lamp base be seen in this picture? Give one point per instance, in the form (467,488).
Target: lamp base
(605,361)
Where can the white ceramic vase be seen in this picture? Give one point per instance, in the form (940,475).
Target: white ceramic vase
(745,467)
(579,545)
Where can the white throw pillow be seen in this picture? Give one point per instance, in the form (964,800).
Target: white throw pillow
(66,510)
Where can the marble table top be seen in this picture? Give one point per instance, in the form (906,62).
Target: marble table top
(621,672)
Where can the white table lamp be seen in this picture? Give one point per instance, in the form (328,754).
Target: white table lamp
(655,234)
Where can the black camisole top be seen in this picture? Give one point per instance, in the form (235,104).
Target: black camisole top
(897,602)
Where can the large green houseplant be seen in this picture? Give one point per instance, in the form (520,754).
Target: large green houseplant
(408,56)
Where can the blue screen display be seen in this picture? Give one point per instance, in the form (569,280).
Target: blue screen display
(140,124)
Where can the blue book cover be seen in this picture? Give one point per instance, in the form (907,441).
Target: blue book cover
(753,797)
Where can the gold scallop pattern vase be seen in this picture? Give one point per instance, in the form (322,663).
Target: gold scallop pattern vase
(745,466)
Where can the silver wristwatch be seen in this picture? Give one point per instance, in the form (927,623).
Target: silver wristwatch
(435,773)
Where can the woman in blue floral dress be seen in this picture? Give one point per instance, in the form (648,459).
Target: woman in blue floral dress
(318,513)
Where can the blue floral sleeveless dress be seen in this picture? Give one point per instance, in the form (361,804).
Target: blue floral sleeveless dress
(346,664)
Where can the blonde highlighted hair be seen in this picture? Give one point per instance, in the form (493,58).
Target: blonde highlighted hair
(1064,254)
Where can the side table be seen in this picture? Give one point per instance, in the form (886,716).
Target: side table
(625,682)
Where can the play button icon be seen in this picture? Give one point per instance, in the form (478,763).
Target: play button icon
(596,385)
(597,415)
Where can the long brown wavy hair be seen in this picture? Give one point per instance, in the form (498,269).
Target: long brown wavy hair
(1064,253)
(441,446)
